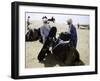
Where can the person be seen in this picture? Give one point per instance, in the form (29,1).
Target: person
(78,25)
(73,33)
(28,22)
(45,29)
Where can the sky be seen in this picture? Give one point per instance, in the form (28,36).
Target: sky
(60,18)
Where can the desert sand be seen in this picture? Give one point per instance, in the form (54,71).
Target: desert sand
(33,48)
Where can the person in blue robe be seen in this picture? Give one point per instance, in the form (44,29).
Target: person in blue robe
(73,32)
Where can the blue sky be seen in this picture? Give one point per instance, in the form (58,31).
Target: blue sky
(60,18)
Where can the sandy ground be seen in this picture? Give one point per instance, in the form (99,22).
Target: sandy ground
(33,48)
